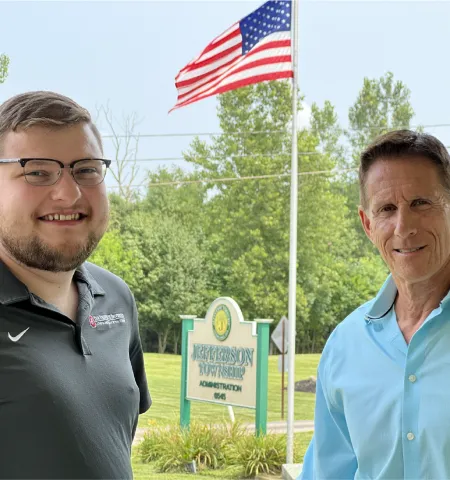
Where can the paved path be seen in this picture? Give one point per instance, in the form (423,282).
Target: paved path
(272,427)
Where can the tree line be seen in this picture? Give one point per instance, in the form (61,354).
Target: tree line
(180,246)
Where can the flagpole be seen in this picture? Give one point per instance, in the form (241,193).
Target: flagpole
(293,242)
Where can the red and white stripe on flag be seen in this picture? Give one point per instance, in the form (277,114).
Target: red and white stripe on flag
(256,49)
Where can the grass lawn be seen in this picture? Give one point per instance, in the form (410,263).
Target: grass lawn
(163,373)
(144,471)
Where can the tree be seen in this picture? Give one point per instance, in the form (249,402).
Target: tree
(382,105)
(4,64)
(120,257)
(325,127)
(124,169)
(172,274)
(249,220)
(177,194)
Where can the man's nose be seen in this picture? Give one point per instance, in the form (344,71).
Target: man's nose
(66,189)
(406,223)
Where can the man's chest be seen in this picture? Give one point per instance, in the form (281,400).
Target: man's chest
(54,361)
(68,393)
(396,398)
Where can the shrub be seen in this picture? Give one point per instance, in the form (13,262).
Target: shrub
(226,446)
(257,455)
(172,447)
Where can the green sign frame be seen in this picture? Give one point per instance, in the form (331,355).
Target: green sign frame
(262,364)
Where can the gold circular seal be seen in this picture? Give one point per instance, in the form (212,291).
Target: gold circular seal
(221,322)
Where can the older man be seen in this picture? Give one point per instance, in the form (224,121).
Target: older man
(72,379)
(383,390)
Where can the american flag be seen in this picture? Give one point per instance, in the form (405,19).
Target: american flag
(256,49)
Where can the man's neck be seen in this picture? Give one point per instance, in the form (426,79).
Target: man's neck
(54,288)
(416,301)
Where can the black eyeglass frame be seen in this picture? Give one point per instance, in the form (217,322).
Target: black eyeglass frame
(24,161)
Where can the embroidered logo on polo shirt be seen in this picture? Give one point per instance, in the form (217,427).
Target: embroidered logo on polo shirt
(18,337)
(107,320)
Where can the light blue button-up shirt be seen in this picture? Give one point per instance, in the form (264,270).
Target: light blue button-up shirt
(383,406)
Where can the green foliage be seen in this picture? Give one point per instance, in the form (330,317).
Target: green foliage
(194,238)
(118,256)
(248,225)
(4,64)
(383,104)
(169,273)
(161,258)
(224,446)
(149,471)
(172,447)
(183,202)
(174,274)
(257,455)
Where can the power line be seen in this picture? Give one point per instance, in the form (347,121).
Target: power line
(198,134)
(215,134)
(235,179)
(270,155)
(180,159)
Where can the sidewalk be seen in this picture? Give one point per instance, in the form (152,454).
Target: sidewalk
(272,427)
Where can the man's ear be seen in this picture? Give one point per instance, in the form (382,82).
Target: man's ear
(365,221)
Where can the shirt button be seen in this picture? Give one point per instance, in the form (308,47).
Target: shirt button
(410,436)
(412,378)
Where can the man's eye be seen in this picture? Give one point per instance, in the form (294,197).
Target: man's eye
(420,202)
(38,173)
(387,208)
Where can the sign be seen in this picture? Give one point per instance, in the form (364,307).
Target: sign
(222,357)
(277,335)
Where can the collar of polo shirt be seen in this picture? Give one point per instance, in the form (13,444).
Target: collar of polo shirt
(12,290)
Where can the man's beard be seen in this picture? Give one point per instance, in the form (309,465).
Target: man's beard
(34,253)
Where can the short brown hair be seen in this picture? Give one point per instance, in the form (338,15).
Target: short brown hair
(45,109)
(404,144)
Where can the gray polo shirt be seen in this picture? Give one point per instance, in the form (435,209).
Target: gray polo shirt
(70,393)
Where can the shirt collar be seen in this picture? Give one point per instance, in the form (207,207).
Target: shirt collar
(383,302)
(445,299)
(12,290)
(82,274)
(385,299)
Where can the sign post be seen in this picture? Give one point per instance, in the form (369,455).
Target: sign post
(185,404)
(282,376)
(225,361)
(262,377)
(279,337)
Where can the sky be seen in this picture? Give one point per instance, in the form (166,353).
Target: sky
(127,54)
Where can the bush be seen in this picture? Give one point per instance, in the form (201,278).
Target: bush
(227,446)
(256,455)
(172,447)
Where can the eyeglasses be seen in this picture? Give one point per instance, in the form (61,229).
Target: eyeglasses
(43,172)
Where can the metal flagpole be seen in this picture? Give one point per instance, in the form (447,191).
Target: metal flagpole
(293,241)
(283,346)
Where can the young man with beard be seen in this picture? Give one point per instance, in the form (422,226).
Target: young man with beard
(72,378)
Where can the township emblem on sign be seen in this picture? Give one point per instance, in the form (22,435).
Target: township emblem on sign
(221,322)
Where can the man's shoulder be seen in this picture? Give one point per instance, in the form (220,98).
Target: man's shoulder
(350,329)
(107,280)
(357,316)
